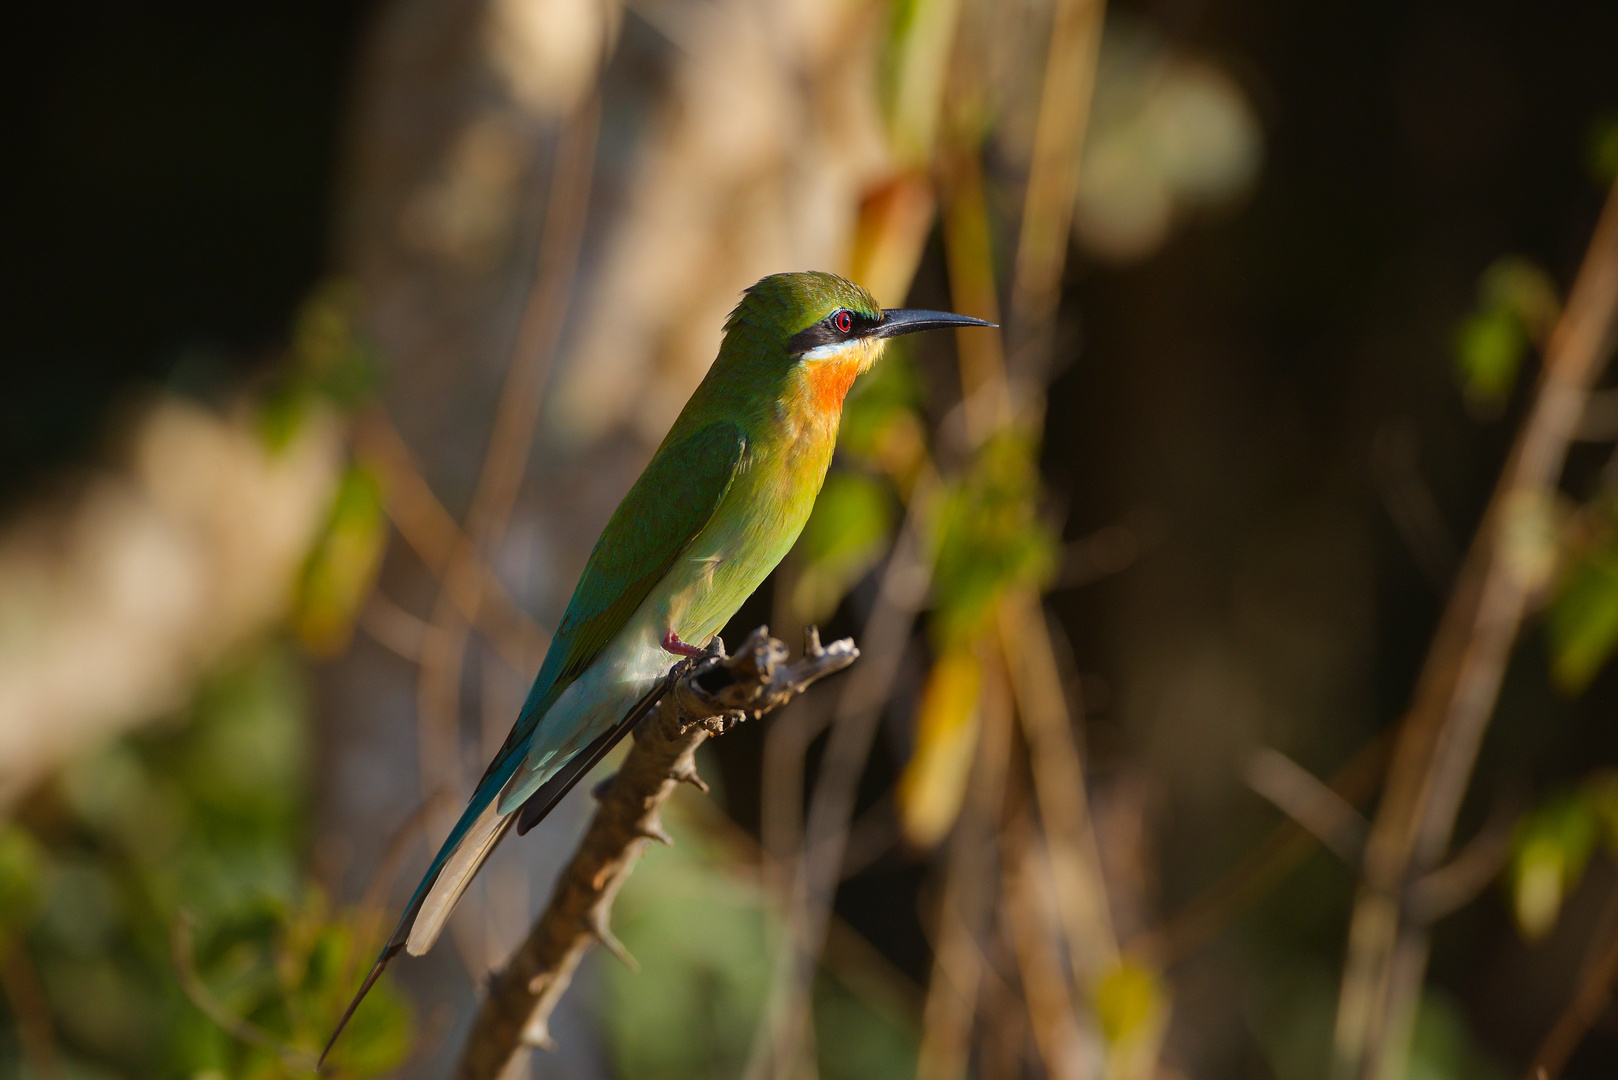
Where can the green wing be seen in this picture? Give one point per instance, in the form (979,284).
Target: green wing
(668,506)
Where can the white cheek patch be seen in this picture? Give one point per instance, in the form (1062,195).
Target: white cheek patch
(833,349)
(860,351)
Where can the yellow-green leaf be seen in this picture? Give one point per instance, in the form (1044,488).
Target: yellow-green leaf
(342,568)
(1583,620)
(1549,854)
(845,536)
(933,784)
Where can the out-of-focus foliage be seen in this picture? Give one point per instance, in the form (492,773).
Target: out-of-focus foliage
(195,827)
(703,931)
(1517,306)
(1170,135)
(1553,845)
(158,886)
(328,362)
(989,537)
(881,427)
(846,534)
(1132,1007)
(1551,849)
(1603,149)
(916,64)
(934,779)
(1583,619)
(342,567)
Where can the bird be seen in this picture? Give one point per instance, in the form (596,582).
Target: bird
(718,506)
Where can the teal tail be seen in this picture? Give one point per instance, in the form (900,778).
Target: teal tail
(474,837)
(480,826)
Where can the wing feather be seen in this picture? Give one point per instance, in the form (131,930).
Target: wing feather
(674,499)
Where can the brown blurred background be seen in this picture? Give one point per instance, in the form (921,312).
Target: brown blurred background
(339,330)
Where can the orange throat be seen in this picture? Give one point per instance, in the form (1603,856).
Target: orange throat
(829,382)
(829,378)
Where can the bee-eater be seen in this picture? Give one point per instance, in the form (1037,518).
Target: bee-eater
(717,507)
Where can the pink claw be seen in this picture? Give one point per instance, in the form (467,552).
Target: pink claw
(673,644)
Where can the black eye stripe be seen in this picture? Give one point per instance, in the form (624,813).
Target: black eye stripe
(826,332)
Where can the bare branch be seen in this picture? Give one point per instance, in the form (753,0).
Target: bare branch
(706,698)
(1589,1001)
(1309,801)
(1507,566)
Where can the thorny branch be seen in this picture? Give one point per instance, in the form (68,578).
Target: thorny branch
(706,697)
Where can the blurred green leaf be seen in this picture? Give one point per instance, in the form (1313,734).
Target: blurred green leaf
(1443,1046)
(1518,304)
(989,536)
(1583,619)
(22,866)
(1522,288)
(1130,1003)
(1489,348)
(933,784)
(328,361)
(915,61)
(844,537)
(342,567)
(1549,853)
(1603,149)
(880,426)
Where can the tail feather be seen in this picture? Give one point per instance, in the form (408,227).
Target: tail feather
(475,815)
(433,911)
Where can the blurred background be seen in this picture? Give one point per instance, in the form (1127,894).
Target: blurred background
(339,330)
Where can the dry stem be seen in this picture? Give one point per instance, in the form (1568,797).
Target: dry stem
(705,698)
(1460,679)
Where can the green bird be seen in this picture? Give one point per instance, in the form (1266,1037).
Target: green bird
(718,506)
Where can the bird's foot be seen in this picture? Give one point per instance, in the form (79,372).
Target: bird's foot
(673,644)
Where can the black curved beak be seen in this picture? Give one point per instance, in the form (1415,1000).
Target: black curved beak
(897,321)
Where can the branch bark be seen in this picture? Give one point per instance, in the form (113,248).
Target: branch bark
(1507,566)
(704,698)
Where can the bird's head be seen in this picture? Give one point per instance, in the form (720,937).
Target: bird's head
(823,329)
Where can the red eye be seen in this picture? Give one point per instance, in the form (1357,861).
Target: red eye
(843,321)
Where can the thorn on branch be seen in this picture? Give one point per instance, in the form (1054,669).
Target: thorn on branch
(653,830)
(689,776)
(603,933)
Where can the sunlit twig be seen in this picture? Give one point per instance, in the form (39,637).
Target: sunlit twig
(1438,742)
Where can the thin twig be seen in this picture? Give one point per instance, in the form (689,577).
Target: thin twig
(1035,929)
(1053,179)
(196,991)
(1193,925)
(779,1038)
(19,979)
(1507,566)
(505,461)
(968,895)
(1590,1000)
(1059,787)
(705,699)
(434,536)
(1310,802)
